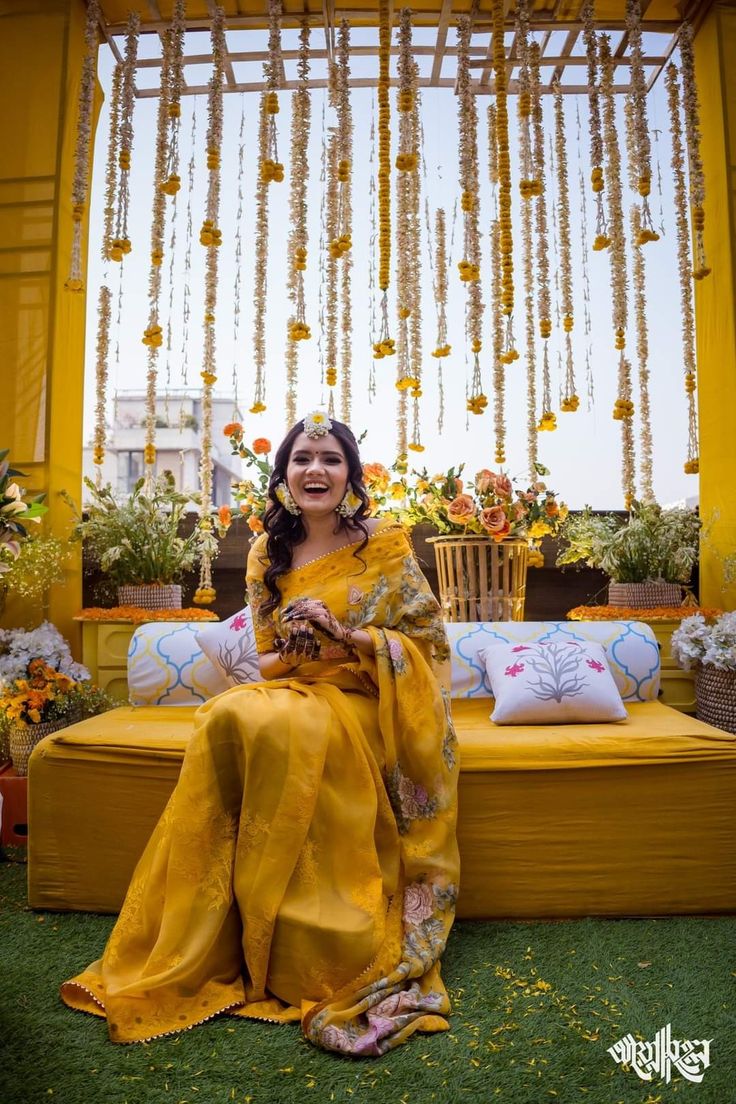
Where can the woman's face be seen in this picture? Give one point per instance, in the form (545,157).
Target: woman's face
(317,474)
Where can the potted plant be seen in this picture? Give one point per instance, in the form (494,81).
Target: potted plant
(711,650)
(649,557)
(42,689)
(135,539)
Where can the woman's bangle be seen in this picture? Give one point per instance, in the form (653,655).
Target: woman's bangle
(347,638)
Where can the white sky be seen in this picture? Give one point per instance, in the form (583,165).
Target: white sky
(583,454)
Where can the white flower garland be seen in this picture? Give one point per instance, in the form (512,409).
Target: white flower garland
(121,244)
(111,165)
(104,310)
(548,419)
(345,213)
(684,263)
(695,163)
(80,182)
(597,179)
(385,346)
(642,356)
(570,400)
(640,162)
(301,116)
(439,263)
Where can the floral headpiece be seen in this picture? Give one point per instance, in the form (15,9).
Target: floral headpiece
(317,424)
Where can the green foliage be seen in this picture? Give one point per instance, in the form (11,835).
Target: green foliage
(39,564)
(653,545)
(136,539)
(14,512)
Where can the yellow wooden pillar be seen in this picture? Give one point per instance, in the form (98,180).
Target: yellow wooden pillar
(715,67)
(41,324)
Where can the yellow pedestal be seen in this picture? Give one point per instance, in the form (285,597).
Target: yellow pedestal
(105,655)
(677,686)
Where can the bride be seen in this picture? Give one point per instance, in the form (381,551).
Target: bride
(305,867)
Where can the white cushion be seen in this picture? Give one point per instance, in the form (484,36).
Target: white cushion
(231,648)
(552,682)
(166,666)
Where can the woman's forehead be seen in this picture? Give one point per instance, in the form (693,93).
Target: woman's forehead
(317,446)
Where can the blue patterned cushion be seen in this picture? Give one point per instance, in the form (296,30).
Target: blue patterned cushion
(631,650)
(166,666)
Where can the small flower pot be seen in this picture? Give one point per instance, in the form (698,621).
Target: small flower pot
(648,595)
(715,694)
(151,596)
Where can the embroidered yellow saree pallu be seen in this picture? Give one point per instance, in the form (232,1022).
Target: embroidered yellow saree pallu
(306,866)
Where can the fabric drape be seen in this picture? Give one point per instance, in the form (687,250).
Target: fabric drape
(306,866)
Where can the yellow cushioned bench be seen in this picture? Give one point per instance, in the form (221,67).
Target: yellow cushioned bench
(633,819)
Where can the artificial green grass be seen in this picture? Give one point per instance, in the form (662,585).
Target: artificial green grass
(535,1007)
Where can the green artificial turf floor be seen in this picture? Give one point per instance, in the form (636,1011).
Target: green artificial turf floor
(535,1007)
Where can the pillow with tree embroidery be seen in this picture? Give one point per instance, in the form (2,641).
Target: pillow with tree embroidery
(231,647)
(552,682)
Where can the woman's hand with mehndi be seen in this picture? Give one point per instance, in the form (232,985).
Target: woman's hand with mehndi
(299,645)
(317,614)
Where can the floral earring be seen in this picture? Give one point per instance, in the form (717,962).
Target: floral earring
(350,504)
(286,498)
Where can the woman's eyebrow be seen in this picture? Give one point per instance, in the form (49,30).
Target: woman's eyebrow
(329,452)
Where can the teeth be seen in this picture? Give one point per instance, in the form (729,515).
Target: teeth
(315,487)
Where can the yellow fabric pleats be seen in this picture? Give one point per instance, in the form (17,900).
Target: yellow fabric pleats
(306,866)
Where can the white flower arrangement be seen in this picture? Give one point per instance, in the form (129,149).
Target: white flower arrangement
(19,646)
(696,643)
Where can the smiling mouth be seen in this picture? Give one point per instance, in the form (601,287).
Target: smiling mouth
(315,492)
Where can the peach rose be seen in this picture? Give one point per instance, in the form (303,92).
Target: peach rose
(461,509)
(502,485)
(261,446)
(493,519)
(459,485)
(484,481)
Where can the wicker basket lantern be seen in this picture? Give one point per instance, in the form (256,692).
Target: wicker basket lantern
(481,579)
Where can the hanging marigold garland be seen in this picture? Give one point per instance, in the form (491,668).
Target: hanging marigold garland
(597,179)
(641,146)
(642,356)
(111,165)
(499,369)
(692,133)
(153,334)
(415,263)
(345,214)
(504,174)
(272,170)
(239,268)
(469,266)
(548,418)
(372,243)
(623,407)
(587,321)
(684,262)
(171,183)
(385,346)
(211,239)
(301,116)
(80,182)
(121,244)
(570,400)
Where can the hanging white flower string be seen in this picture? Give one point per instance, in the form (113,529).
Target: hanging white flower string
(344,214)
(407,227)
(101,373)
(297,328)
(637,104)
(238,261)
(692,134)
(172,182)
(385,346)
(211,238)
(587,322)
(570,400)
(80,182)
(187,290)
(372,245)
(547,418)
(529,187)
(685,267)
(121,244)
(111,165)
(642,356)
(439,273)
(597,179)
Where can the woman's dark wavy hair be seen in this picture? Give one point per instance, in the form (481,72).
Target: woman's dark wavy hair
(285,530)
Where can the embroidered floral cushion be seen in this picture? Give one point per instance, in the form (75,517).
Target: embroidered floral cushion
(552,682)
(231,647)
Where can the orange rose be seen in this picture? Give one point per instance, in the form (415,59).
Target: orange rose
(483,480)
(225,516)
(261,446)
(494,520)
(233,429)
(461,510)
(551,508)
(376,477)
(245,508)
(255,524)
(459,487)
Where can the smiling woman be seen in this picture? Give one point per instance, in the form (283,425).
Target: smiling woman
(306,866)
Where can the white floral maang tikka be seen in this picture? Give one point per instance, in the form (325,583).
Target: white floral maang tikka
(286,498)
(350,503)
(317,424)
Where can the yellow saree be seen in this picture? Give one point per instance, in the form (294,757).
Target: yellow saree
(306,865)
